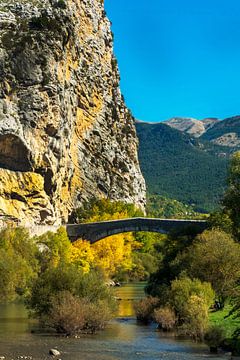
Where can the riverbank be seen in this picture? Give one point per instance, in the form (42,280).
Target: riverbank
(122,339)
(221,318)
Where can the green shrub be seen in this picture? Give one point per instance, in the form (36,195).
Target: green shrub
(195,321)
(184,289)
(66,278)
(18,264)
(214,337)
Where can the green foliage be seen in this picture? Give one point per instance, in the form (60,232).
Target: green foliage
(220,220)
(18,264)
(214,337)
(195,318)
(144,264)
(162,207)
(55,247)
(104,209)
(176,166)
(183,291)
(221,318)
(150,242)
(213,257)
(168,271)
(66,277)
(191,300)
(231,200)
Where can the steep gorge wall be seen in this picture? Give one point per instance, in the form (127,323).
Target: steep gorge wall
(65,132)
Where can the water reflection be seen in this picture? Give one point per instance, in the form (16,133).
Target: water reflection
(123,338)
(14,320)
(127,294)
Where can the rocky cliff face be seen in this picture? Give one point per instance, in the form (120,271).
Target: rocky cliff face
(65,132)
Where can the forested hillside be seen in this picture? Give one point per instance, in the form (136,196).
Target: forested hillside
(179,167)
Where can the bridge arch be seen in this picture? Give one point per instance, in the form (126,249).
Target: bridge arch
(94,232)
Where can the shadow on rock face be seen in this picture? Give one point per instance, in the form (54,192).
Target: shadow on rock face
(14,154)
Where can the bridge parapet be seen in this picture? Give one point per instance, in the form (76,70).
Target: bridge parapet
(96,231)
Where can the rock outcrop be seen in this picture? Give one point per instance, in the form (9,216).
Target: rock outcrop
(65,133)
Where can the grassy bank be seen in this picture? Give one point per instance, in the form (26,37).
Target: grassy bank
(221,318)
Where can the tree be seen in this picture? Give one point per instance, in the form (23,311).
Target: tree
(214,257)
(18,264)
(191,299)
(55,248)
(104,209)
(71,301)
(67,278)
(113,254)
(220,220)
(231,200)
(167,271)
(82,255)
(195,317)
(184,289)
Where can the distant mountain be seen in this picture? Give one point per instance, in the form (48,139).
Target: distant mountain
(178,166)
(225,133)
(191,126)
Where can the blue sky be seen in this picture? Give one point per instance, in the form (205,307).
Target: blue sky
(178,57)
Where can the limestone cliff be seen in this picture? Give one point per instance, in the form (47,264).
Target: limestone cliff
(65,132)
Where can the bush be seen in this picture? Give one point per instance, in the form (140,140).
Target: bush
(195,318)
(214,337)
(72,315)
(70,301)
(67,313)
(183,290)
(165,317)
(214,257)
(144,308)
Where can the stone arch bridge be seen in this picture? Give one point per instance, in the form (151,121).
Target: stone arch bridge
(94,232)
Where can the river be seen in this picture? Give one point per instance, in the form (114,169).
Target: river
(123,338)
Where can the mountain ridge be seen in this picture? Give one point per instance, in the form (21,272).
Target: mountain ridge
(190,169)
(225,132)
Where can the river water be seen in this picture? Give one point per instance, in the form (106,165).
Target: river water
(123,338)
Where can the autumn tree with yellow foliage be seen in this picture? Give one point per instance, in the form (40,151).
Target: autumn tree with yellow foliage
(114,254)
